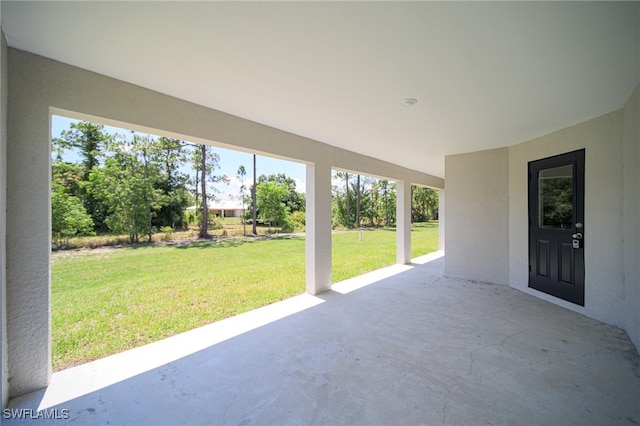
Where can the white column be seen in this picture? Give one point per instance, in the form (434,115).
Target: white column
(441,219)
(403,222)
(4,366)
(28,229)
(318,228)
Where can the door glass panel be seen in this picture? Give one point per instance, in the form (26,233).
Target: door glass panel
(555,197)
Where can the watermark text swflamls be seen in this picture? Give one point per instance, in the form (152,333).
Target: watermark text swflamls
(30,413)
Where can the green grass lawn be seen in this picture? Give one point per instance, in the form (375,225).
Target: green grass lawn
(110,301)
(352,257)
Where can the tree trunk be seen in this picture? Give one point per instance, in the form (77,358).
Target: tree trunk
(197,197)
(410,205)
(150,227)
(149,213)
(253,198)
(348,215)
(358,203)
(244,218)
(204,222)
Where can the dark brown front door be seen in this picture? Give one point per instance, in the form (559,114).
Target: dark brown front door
(556,226)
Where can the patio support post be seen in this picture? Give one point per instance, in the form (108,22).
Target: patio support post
(318,228)
(403,222)
(28,228)
(441,215)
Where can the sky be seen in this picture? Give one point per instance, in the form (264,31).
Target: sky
(229,162)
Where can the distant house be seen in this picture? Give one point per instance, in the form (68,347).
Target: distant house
(225,208)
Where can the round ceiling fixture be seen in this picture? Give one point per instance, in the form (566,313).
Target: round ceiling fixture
(408,102)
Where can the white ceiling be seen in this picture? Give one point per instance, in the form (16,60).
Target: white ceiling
(485,75)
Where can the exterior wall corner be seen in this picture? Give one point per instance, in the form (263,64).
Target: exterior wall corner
(477,216)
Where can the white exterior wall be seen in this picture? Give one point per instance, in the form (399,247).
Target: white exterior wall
(604,275)
(40,86)
(28,236)
(3,208)
(479,194)
(631,215)
(477,216)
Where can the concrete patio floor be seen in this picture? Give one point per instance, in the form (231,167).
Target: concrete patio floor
(403,345)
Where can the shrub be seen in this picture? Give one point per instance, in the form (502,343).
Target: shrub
(215,224)
(191,218)
(167,231)
(299,220)
(287,224)
(68,218)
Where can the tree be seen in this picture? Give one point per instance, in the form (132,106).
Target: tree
(341,200)
(204,221)
(242,172)
(67,176)
(88,139)
(348,210)
(358,202)
(170,156)
(68,217)
(364,200)
(424,204)
(374,201)
(206,163)
(125,184)
(294,200)
(270,197)
(387,201)
(150,172)
(254,204)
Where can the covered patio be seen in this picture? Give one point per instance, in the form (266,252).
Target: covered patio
(421,93)
(402,345)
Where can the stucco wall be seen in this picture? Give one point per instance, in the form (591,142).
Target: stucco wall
(28,234)
(631,215)
(487,214)
(477,216)
(604,273)
(3,208)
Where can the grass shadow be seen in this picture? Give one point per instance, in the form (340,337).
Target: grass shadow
(232,242)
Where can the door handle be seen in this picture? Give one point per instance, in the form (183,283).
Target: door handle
(577,236)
